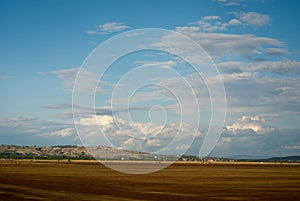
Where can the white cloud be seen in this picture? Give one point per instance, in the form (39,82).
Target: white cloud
(275,51)
(283,67)
(213,17)
(154,142)
(135,129)
(16,121)
(210,24)
(234,22)
(109,27)
(60,133)
(216,24)
(68,77)
(277,142)
(160,64)
(251,87)
(256,88)
(254,123)
(29,131)
(253,93)
(138,136)
(231,67)
(224,142)
(229,2)
(88,80)
(292,147)
(254,19)
(187,29)
(101,120)
(221,45)
(278,67)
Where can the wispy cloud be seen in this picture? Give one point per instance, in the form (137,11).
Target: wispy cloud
(109,27)
(277,67)
(225,46)
(160,64)
(254,19)
(229,2)
(4,77)
(276,51)
(66,132)
(69,76)
(24,130)
(282,68)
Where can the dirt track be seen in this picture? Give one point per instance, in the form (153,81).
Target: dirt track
(186,181)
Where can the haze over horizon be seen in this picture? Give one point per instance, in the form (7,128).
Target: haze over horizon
(254,44)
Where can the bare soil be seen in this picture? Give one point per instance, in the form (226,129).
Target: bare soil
(48,180)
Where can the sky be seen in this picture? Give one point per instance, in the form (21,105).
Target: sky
(252,47)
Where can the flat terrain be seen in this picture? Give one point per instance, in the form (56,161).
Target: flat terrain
(25,180)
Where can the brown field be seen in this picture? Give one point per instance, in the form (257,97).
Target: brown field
(48,180)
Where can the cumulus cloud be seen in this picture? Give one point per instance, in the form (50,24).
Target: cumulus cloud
(24,130)
(255,123)
(254,19)
(234,22)
(210,24)
(277,142)
(251,86)
(109,27)
(138,136)
(101,120)
(135,129)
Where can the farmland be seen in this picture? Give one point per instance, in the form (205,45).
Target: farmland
(88,180)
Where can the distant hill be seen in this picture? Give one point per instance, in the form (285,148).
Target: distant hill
(109,153)
(55,152)
(265,158)
(246,157)
(285,159)
(75,152)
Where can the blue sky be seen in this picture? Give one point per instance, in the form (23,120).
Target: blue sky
(255,45)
